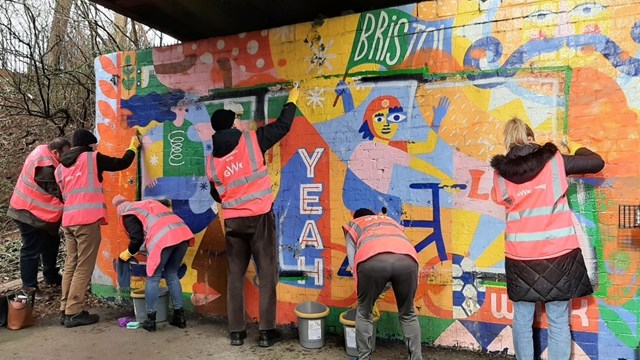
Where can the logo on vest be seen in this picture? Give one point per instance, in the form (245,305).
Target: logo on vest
(232,168)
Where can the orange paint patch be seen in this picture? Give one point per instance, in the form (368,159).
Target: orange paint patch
(478,54)
(588,50)
(435,60)
(624,56)
(282,62)
(203,294)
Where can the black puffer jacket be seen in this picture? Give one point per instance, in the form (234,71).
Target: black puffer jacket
(563,277)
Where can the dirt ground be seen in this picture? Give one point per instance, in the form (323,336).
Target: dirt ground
(204,338)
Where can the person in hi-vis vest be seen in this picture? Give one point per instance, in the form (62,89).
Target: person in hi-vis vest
(166,238)
(543,259)
(241,184)
(36,208)
(379,253)
(79,176)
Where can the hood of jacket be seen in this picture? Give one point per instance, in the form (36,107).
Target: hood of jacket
(523,163)
(69,158)
(224,141)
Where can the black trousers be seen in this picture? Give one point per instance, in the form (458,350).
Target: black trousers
(246,237)
(38,245)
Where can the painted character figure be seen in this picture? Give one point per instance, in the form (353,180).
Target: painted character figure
(382,119)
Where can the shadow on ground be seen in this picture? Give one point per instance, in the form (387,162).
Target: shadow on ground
(204,338)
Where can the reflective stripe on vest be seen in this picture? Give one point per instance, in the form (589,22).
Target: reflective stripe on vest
(82,191)
(539,220)
(377,234)
(27,195)
(377,230)
(243,191)
(162,228)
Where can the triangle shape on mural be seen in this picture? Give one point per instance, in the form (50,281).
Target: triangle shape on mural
(502,343)
(456,335)
(486,333)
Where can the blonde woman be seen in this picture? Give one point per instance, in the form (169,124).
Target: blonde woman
(543,260)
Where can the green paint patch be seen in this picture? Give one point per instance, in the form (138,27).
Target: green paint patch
(620,261)
(110,294)
(618,326)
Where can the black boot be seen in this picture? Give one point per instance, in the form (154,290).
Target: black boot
(178,318)
(150,323)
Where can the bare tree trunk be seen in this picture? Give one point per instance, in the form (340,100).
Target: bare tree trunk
(142,35)
(58,31)
(120,23)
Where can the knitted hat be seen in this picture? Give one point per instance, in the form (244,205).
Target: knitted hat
(120,203)
(362,212)
(83,137)
(222,119)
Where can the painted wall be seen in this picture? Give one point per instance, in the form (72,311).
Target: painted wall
(424,91)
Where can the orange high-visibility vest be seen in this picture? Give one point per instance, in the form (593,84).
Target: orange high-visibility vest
(82,192)
(242,179)
(539,220)
(162,228)
(27,195)
(377,234)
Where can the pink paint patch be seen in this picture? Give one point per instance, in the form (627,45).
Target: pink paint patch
(203,294)
(592,29)
(539,35)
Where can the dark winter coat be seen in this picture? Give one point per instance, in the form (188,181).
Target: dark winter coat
(554,279)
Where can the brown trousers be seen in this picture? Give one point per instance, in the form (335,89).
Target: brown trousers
(83,242)
(245,237)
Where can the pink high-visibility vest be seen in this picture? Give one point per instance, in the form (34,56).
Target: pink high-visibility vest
(27,195)
(242,179)
(539,220)
(82,192)
(377,234)
(162,228)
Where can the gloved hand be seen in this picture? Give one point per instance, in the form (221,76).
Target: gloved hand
(293,95)
(375,311)
(135,143)
(572,146)
(125,255)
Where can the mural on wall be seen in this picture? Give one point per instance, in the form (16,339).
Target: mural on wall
(401,110)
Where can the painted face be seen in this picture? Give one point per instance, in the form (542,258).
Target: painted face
(383,116)
(565,18)
(385,122)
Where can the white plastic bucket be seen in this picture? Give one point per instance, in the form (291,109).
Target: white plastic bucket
(311,324)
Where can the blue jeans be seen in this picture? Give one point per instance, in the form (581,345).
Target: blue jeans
(170,260)
(559,335)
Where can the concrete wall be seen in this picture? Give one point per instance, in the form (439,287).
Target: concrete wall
(456,71)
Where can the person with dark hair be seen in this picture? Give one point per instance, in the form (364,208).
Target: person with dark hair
(241,184)
(543,259)
(36,208)
(166,238)
(79,176)
(380,253)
